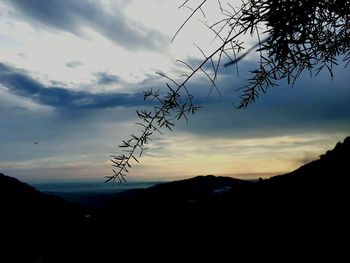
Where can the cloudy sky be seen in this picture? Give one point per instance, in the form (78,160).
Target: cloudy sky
(71,78)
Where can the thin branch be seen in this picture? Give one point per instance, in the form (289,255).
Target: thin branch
(184,23)
(184,3)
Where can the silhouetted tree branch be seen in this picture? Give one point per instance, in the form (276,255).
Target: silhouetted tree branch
(291,36)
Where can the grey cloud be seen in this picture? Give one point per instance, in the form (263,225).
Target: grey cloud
(314,105)
(104,78)
(73,15)
(19,83)
(74,64)
(220,119)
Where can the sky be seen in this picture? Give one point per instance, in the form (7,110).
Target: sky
(71,79)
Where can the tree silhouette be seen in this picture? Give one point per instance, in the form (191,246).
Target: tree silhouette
(291,36)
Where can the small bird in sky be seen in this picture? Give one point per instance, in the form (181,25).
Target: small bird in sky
(35,142)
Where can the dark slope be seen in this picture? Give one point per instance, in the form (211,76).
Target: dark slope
(325,178)
(183,191)
(331,169)
(22,199)
(300,213)
(307,206)
(36,226)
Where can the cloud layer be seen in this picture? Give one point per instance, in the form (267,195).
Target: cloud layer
(21,84)
(73,15)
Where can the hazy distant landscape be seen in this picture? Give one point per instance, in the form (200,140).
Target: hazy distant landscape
(203,210)
(89,193)
(89,187)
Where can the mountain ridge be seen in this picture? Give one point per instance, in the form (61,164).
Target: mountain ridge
(308,205)
(316,176)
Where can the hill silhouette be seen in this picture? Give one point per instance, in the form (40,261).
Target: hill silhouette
(36,226)
(307,205)
(217,214)
(325,178)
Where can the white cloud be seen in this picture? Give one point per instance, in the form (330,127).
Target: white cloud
(46,52)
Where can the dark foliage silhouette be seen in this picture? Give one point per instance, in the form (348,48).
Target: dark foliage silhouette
(292,37)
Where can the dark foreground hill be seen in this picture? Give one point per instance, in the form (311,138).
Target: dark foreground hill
(304,211)
(36,227)
(306,208)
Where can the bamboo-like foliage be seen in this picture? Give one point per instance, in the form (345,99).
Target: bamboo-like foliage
(291,36)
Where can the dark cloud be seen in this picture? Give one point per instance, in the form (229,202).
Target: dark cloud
(74,64)
(317,105)
(104,78)
(73,15)
(19,83)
